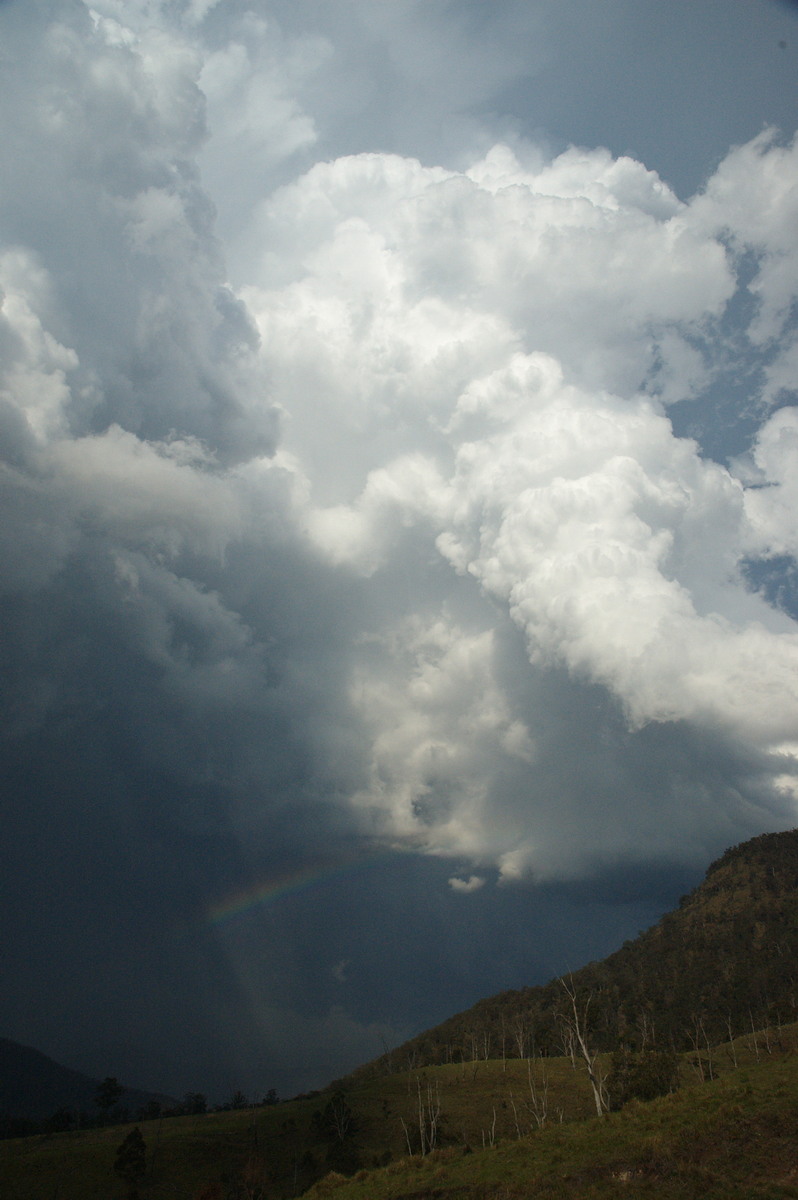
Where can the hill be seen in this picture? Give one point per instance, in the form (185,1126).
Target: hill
(730,1139)
(724,962)
(33,1087)
(688,1034)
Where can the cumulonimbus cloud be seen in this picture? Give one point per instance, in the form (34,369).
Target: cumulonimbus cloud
(440,402)
(491,353)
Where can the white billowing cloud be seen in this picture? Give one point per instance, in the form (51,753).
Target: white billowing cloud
(164,496)
(472,884)
(612,542)
(586,259)
(393,498)
(751,199)
(440,729)
(393,287)
(34,365)
(781,374)
(479,360)
(250,79)
(771,506)
(109,207)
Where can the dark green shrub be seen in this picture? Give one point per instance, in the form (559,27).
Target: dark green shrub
(641,1076)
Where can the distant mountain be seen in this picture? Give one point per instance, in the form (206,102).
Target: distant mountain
(725,961)
(33,1087)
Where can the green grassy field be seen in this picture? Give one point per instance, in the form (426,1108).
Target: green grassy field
(735,1136)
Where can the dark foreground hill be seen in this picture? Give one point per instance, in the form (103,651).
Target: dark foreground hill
(33,1087)
(723,963)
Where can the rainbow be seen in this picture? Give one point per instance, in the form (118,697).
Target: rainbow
(289,883)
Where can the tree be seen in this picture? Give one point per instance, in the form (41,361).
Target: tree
(59,1121)
(574,1021)
(107,1094)
(195,1103)
(131,1160)
(337,1124)
(338,1118)
(642,1076)
(538,1103)
(255,1180)
(429,1116)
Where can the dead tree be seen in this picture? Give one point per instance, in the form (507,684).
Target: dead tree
(574,1022)
(568,1042)
(537,1106)
(520,1035)
(699,1040)
(538,1103)
(732,1047)
(428,1113)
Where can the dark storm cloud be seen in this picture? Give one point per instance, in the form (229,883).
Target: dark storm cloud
(166,660)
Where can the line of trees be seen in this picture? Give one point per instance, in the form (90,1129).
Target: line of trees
(107,1110)
(549,1025)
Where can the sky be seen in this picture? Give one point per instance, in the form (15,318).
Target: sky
(399,476)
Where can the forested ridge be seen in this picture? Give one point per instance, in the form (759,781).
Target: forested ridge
(722,963)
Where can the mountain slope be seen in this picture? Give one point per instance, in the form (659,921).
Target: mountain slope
(33,1086)
(725,961)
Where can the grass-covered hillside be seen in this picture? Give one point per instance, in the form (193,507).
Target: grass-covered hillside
(524,1127)
(734,1138)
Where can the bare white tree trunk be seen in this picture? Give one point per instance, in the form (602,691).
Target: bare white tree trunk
(539,1094)
(429,1111)
(732,1046)
(520,1035)
(576,1022)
